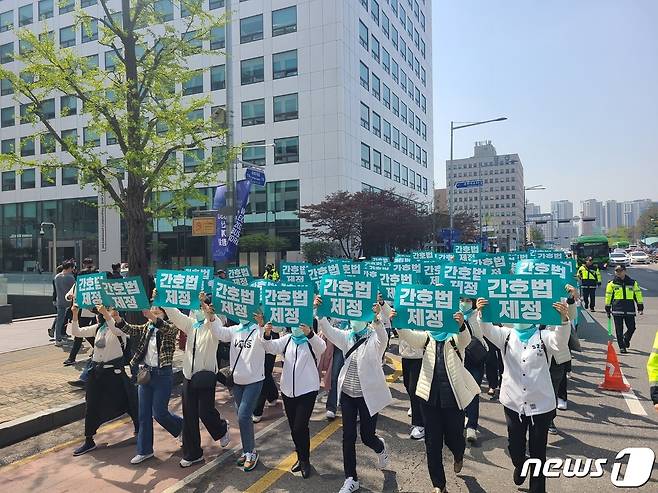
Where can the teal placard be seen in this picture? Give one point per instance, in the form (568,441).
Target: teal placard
(348,298)
(288,305)
(127,295)
(422,254)
(239,275)
(389,280)
(466,251)
(522,299)
(350,268)
(178,289)
(235,301)
(316,272)
(295,272)
(466,278)
(544,254)
(402,258)
(88,290)
(493,260)
(421,307)
(384,260)
(443,257)
(414,267)
(206,272)
(431,270)
(533,266)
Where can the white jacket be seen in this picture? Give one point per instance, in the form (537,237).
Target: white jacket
(300,373)
(369,357)
(251,367)
(464,387)
(407,351)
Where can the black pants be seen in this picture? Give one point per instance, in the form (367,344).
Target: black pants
(199,404)
(351,406)
(559,378)
(494,366)
(269,392)
(624,339)
(410,373)
(589,296)
(442,424)
(77,342)
(536,428)
(299,410)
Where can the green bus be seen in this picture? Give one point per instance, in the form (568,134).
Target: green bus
(595,246)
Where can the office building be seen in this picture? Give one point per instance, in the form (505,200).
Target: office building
(591,209)
(532,209)
(565,228)
(328,96)
(441,200)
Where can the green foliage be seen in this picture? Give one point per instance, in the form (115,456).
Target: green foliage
(537,237)
(647,224)
(317,252)
(261,242)
(623,234)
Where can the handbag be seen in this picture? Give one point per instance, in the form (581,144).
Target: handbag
(475,352)
(143,376)
(225,375)
(204,379)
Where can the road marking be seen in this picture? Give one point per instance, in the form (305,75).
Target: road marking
(643,289)
(397,367)
(587,316)
(271,477)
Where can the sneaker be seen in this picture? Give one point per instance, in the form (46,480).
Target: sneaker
(491,391)
(457,465)
(518,479)
(350,485)
(51,332)
(441,490)
(305,470)
(409,412)
(58,343)
(471,435)
(250,461)
(417,433)
(383,458)
(296,468)
(88,446)
(188,463)
(627,343)
(256,419)
(331,415)
(592,310)
(241,459)
(226,439)
(623,350)
(561,404)
(552,429)
(69,362)
(138,459)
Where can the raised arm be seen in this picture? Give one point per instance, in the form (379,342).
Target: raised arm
(495,334)
(183,322)
(558,335)
(336,336)
(274,346)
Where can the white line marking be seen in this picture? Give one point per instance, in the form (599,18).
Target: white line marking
(643,289)
(219,460)
(587,316)
(633,403)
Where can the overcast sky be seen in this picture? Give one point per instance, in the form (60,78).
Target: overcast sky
(578,81)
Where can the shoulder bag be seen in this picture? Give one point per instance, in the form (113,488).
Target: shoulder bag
(225,375)
(204,379)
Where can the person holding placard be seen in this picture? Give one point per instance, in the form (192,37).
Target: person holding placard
(361,388)
(109,392)
(156,343)
(445,388)
(300,383)
(526,392)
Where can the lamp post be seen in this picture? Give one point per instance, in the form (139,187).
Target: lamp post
(525,214)
(43,233)
(454,127)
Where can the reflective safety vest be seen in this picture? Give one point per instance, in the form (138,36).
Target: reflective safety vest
(652,371)
(590,276)
(622,295)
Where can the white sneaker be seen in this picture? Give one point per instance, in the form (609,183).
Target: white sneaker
(417,433)
(349,486)
(226,439)
(331,415)
(256,419)
(138,459)
(409,412)
(188,463)
(383,458)
(562,404)
(471,435)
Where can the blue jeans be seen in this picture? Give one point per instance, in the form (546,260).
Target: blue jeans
(84,376)
(154,403)
(336,365)
(59,324)
(245,397)
(473,409)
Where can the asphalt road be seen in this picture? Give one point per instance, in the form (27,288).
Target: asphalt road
(598,424)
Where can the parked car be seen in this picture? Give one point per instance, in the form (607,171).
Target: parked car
(639,257)
(619,259)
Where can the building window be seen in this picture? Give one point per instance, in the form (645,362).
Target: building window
(422,48)
(284,64)
(46,9)
(364,75)
(252,71)
(412,179)
(89,31)
(217,77)
(254,153)
(70,136)
(111,138)
(90,137)
(7,20)
(374,11)
(193,41)
(386,61)
(396,171)
(67,36)
(251,28)
(403,112)
(6,87)
(377,161)
(25,15)
(386,96)
(284,21)
(7,53)
(423,76)
(394,37)
(387,166)
(418,154)
(69,176)
(385,24)
(8,146)
(191,160)
(164,9)
(405,175)
(375,48)
(424,158)
(194,85)
(48,177)
(365,156)
(363,34)
(396,138)
(286,150)
(87,3)
(253,112)
(218,38)
(8,181)
(403,144)
(286,107)
(26,113)
(376,86)
(376,124)
(68,106)
(28,179)
(47,144)
(387,132)
(47,109)
(27,146)
(7,117)
(365,116)
(364,3)
(394,70)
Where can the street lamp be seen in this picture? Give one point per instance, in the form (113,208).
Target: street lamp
(525,215)
(42,233)
(454,127)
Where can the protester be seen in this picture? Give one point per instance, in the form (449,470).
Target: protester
(156,346)
(87,317)
(109,393)
(64,281)
(51,330)
(300,383)
(590,278)
(271,273)
(526,392)
(115,273)
(269,393)
(362,389)
(475,356)
(445,389)
(337,362)
(621,296)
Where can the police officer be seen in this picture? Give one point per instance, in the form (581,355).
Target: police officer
(652,372)
(590,278)
(621,295)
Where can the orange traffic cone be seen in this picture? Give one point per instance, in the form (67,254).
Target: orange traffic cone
(613,379)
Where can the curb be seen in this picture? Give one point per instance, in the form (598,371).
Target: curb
(20,429)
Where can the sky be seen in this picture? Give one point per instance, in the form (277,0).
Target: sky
(577,80)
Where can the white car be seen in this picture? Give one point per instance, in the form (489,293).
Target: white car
(639,257)
(619,259)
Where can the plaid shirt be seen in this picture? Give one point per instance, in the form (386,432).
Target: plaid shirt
(167,340)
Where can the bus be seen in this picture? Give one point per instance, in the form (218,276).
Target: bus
(591,246)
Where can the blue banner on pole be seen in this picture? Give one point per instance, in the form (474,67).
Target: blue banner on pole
(225,246)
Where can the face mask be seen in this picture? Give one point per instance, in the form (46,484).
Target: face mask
(439,335)
(199,315)
(525,331)
(359,329)
(298,336)
(297,332)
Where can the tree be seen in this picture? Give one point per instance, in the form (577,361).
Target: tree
(139,99)
(647,224)
(537,237)
(261,242)
(317,252)
(622,234)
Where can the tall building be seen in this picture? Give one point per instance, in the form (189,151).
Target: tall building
(532,209)
(441,200)
(613,215)
(498,203)
(562,209)
(565,231)
(591,209)
(327,96)
(632,210)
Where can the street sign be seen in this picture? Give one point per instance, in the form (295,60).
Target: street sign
(255,176)
(469,184)
(203,226)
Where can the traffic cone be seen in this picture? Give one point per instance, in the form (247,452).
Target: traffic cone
(613,379)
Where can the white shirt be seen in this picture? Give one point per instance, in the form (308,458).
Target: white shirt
(300,373)
(251,366)
(526,387)
(151,357)
(110,335)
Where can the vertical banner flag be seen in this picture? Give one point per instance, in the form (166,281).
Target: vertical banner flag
(239,275)
(233,301)
(178,289)
(126,294)
(225,247)
(288,305)
(316,272)
(465,252)
(348,298)
(521,299)
(430,308)
(295,272)
(467,279)
(206,272)
(389,279)
(88,291)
